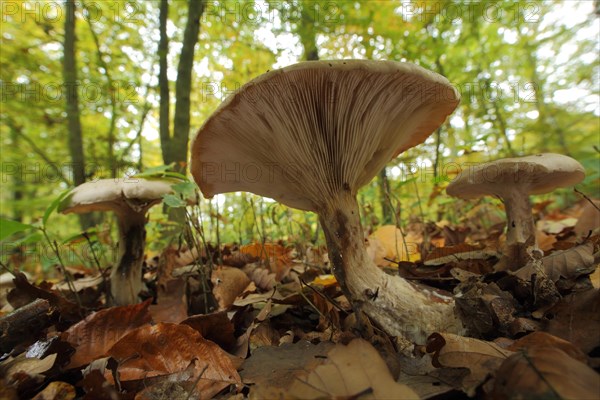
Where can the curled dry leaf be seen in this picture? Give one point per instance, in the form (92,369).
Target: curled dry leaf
(346,375)
(56,390)
(216,327)
(164,349)
(261,276)
(271,366)
(277,257)
(543,339)
(481,358)
(228,284)
(589,220)
(545,373)
(171,302)
(569,264)
(576,318)
(394,245)
(93,336)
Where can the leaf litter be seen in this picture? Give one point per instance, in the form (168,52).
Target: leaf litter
(272,322)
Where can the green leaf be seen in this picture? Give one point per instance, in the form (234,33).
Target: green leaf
(159,172)
(9,227)
(187,190)
(54,205)
(173,201)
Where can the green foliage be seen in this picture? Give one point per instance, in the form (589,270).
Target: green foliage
(514,64)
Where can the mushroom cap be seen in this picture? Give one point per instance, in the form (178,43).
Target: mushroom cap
(303,133)
(118,195)
(535,174)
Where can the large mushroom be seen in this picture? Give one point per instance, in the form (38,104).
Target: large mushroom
(513,180)
(310,136)
(130,199)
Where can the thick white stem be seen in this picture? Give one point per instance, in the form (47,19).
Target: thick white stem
(126,277)
(520,231)
(399,307)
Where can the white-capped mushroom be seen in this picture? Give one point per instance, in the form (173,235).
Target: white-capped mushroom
(130,199)
(312,134)
(513,180)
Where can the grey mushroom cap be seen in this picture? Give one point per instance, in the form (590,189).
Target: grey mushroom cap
(118,195)
(303,133)
(535,174)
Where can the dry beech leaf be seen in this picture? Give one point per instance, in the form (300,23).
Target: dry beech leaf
(171,302)
(29,366)
(576,318)
(216,327)
(278,258)
(261,276)
(97,333)
(456,253)
(228,284)
(589,220)
(543,339)
(349,371)
(545,373)
(279,367)
(56,390)
(568,264)
(479,357)
(396,246)
(163,349)
(544,241)
(555,226)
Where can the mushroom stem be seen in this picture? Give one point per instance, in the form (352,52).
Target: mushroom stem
(520,230)
(399,307)
(126,278)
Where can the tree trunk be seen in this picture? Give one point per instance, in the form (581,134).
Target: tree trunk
(384,198)
(72,105)
(163,83)
(307,33)
(183,88)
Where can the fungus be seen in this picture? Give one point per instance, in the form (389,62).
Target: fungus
(513,180)
(310,136)
(130,199)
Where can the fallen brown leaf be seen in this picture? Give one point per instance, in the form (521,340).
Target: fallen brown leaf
(279,367)
(568,264)
(228,284)
(171,302)
(164,349)
(545,373)
(93,336)
(56,391)
(576,318)
(347,374)
(481,358)
(215,327)
(543,339)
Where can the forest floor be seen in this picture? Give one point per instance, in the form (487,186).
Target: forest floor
(268,321)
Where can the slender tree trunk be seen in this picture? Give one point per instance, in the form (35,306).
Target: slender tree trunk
(72,105)
(183,87)
(18,184)
(163,83)
(384,190)
(307,33)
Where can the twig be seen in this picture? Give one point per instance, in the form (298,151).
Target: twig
(587,198)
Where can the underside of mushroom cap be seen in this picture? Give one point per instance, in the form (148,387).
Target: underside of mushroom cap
(535,174)
(303,133)
(115,195)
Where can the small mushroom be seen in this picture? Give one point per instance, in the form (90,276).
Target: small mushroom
(130,199)
(513,180)
(310,136)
